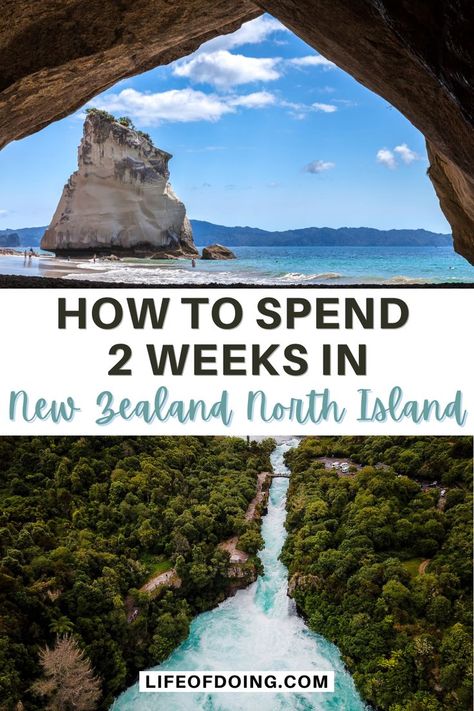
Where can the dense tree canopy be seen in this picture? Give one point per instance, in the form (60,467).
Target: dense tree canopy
(381,563)
(85,521)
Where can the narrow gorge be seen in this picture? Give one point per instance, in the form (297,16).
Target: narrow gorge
(257,629)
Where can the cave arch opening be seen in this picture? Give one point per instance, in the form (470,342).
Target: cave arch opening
(268,133)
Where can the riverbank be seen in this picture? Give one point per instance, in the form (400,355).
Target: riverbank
(257,629)
(141,505)
(370,550)
(239,575)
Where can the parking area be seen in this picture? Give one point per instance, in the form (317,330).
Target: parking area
(343,466)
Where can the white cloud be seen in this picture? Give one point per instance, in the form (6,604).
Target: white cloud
(312,60)
(179,105)
(325,108)
(205,149)
(349,103)
(301,111)
(296,110)
(256,100)
(295,106)
(406,154)
(386,157)
(318,166)
(223,69)
(253,32)
(389,158)
(214,64)
(4,213)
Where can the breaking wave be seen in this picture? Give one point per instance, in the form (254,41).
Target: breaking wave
(176,275)
(296,276)
(400,279)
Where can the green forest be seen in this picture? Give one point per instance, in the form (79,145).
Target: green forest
(84,522)
(380,563)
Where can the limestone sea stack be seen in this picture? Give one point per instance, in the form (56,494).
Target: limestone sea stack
(119,200)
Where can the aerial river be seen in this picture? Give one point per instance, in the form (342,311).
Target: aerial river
(257,629)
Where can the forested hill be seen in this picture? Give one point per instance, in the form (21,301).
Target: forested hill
(380,562)
(206,233)
(84,522)
(28,236)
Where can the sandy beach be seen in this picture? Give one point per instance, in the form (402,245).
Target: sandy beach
(261,269)
(44,266)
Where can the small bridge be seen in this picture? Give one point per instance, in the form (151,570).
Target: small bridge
(278,475)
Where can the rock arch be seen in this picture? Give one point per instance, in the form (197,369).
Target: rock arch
(418,54)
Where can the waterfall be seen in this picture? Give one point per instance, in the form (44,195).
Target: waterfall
(257,629)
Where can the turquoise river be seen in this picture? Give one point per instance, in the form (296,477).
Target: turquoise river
(257,629)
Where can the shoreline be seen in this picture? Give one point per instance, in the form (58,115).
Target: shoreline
(243,569)
(253,269)
(16,281)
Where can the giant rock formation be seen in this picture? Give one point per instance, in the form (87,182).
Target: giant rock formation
(119,200)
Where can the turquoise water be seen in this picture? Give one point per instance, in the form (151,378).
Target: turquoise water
(257,629)
(304,265)
(270,265)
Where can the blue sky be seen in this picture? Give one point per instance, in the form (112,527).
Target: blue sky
(264,132)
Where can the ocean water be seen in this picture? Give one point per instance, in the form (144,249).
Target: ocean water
(257,629)
(302,265)
(269,265)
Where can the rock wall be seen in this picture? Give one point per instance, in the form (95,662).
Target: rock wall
(55,55)
(418,54)
(455,191)
(119,200)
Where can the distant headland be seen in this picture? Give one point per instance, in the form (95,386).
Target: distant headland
(206,232)
(317,237)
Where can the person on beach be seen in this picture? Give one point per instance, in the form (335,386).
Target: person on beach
(193,262)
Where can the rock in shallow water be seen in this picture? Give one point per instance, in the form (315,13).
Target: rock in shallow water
(119,200)
(217,251)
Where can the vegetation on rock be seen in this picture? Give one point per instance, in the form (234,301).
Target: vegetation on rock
(125,121)
(92,111)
